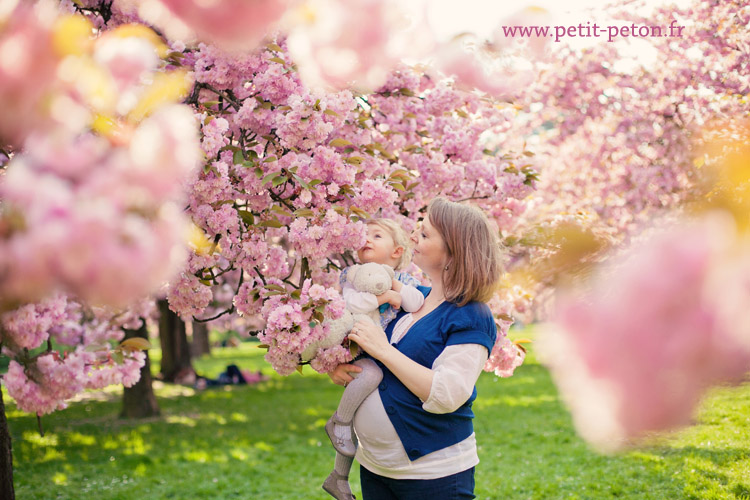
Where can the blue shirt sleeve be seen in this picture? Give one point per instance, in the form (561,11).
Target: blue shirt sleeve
(472,324)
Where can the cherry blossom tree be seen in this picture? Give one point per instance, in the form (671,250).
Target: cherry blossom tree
(292,173)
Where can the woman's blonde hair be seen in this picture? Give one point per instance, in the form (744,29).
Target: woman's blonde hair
(400,238)
(474,260)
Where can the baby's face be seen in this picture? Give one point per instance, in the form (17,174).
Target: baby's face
(379,247)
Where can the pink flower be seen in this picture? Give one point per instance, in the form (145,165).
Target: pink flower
(231,23)
(328,359)
(636,353)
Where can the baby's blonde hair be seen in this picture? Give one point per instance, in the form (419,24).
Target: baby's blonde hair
(400,238)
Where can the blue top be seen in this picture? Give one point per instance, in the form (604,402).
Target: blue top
(422,432)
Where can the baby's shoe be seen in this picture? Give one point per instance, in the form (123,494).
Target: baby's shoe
(344,445)
(332,483)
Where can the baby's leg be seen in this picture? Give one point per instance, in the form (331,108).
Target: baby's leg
(339,427)
(358,389)
(337,482)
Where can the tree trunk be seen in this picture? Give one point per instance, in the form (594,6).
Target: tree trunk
(139,401)
(175,350)
(200,345)
(6,456)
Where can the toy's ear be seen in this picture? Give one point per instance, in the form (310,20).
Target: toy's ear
(390,270)
(351,273)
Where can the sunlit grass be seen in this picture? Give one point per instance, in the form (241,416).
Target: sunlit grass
(266,441)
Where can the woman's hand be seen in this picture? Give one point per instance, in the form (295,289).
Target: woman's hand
(341,374)
(371,338)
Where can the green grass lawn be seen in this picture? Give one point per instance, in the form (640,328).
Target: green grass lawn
(266,441)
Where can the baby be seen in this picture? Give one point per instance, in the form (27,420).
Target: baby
(387,243)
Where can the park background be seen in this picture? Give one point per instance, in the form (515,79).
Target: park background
(616,174)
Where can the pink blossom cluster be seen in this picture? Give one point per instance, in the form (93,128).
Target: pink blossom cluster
(45,386)
(634,353)
(188,297)
(40,379)
(332,235)
(28,326)
(292,325)
(505,357)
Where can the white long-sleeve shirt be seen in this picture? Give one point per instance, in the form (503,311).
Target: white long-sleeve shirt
(380,450)
(363,302)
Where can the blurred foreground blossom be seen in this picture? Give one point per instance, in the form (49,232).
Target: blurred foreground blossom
(231,24)
(658,327)
(91,201)
(334,47)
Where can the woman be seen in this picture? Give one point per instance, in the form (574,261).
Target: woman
(416,438)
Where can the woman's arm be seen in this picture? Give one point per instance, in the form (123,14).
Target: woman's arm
(416,378)
(456,371)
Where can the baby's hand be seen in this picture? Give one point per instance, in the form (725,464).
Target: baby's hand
(396,285)
(394,298)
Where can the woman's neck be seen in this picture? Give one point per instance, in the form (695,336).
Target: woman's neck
(436,294)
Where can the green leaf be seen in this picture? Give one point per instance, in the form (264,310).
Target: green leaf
(301,182)
(296,294)
(278,209)
(360,213)
(96,347)
(406,92)
(270,159)
(277,288)
(268,178)
(304,212)
(354,160)
(279,180)
(271,223)
(247,217)
(331,112)
(118,357)
(339,143)
(278,60)
(258,172)
(312,324)
(275,47)
(237,157)
(398,186)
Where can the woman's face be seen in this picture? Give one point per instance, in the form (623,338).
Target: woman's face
(430,253)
